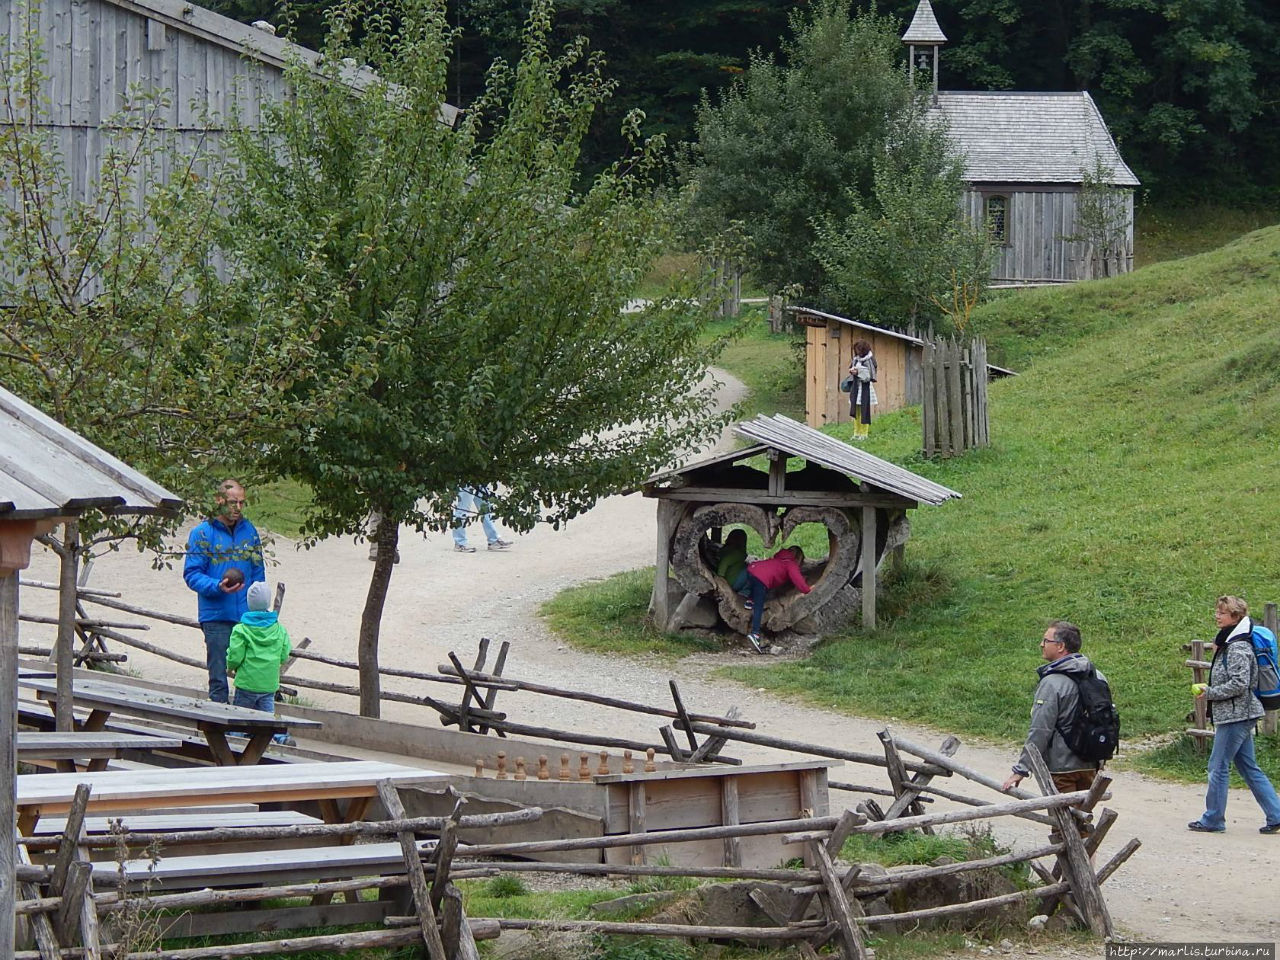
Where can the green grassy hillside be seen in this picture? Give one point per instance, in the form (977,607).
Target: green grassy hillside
(1133,477)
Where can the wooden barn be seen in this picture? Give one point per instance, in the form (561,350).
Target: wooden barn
(97,53)
(1026,155)
(828,351)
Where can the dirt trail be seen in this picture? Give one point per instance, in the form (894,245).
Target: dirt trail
(1179,885)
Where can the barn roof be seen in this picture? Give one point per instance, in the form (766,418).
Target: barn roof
(796,439)
(47,471)
(1018,137)
(884,331)
(924,26)
(252,42)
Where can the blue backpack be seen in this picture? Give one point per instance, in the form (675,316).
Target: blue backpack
(1267,688)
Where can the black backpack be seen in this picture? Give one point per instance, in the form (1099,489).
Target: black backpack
(1094,732)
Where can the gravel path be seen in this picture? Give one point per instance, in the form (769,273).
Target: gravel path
(1179,886)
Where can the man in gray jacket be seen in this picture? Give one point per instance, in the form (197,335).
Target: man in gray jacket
(1056,701)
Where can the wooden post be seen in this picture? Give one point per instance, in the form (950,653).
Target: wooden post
(65,644)
(1269,621)
(417,875)
(955,444)
(668,515)
(928,400)
(1074,860)
(729,817)
(869,568)
(8,756)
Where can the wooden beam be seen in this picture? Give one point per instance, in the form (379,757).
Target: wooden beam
(791,498)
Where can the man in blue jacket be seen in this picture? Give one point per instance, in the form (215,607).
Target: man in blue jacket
(224,556)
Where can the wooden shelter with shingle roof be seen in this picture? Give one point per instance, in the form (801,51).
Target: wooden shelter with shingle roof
(1026,158)
(861,500)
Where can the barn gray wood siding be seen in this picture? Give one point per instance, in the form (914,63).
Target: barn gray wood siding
(97,52)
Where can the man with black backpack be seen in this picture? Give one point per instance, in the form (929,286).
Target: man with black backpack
(1074,723)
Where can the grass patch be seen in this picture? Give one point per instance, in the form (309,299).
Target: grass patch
(1178,760)
(1164,232)
(609,616)
(279,507)
(1132,479)
(771,365)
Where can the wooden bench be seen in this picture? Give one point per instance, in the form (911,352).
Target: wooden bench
(268,867)
(62,750)
(213,720)
(147,791)
(259,867)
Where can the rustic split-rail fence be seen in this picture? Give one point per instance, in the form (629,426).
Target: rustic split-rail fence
(826,901)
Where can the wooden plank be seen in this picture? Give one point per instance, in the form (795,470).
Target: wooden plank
(133,789)
(838,901)
(71,836)
(729,816)
(683,716)
(792,498)
(36,745)
(636,801)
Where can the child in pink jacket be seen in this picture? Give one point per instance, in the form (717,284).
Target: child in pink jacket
(766,575)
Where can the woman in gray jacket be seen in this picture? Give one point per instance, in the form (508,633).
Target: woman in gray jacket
(1235,712)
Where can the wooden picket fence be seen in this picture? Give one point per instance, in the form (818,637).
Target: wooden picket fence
(956,416)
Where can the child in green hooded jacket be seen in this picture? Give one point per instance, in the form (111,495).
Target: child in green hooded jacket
(259,648)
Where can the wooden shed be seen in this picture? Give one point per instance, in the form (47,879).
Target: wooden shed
(828,351)
(1026,155)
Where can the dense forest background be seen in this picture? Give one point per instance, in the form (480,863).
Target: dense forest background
(1189,88)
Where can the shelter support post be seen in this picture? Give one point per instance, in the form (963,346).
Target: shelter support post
(64,648)
(869,568)
(8,756)
(660,605)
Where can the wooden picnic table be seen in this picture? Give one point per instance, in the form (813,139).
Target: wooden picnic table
(64,749)
(355,781)
(214,720)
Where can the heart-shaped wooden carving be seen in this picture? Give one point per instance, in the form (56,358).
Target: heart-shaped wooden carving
(826,576)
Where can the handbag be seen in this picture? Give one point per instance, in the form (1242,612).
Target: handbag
(846,384)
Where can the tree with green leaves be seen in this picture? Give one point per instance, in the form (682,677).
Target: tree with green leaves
(101,285)
(905,254)
(796,141)
(447,303)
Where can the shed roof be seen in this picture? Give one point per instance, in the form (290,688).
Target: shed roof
(252,42)
(883,331)
(816,447)
(924,26)
(798,440)
(47,470)
(1021,137)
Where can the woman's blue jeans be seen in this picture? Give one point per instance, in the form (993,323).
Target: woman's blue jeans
(1233,742)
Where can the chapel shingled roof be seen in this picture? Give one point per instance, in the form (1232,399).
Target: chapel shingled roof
(1024,137)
